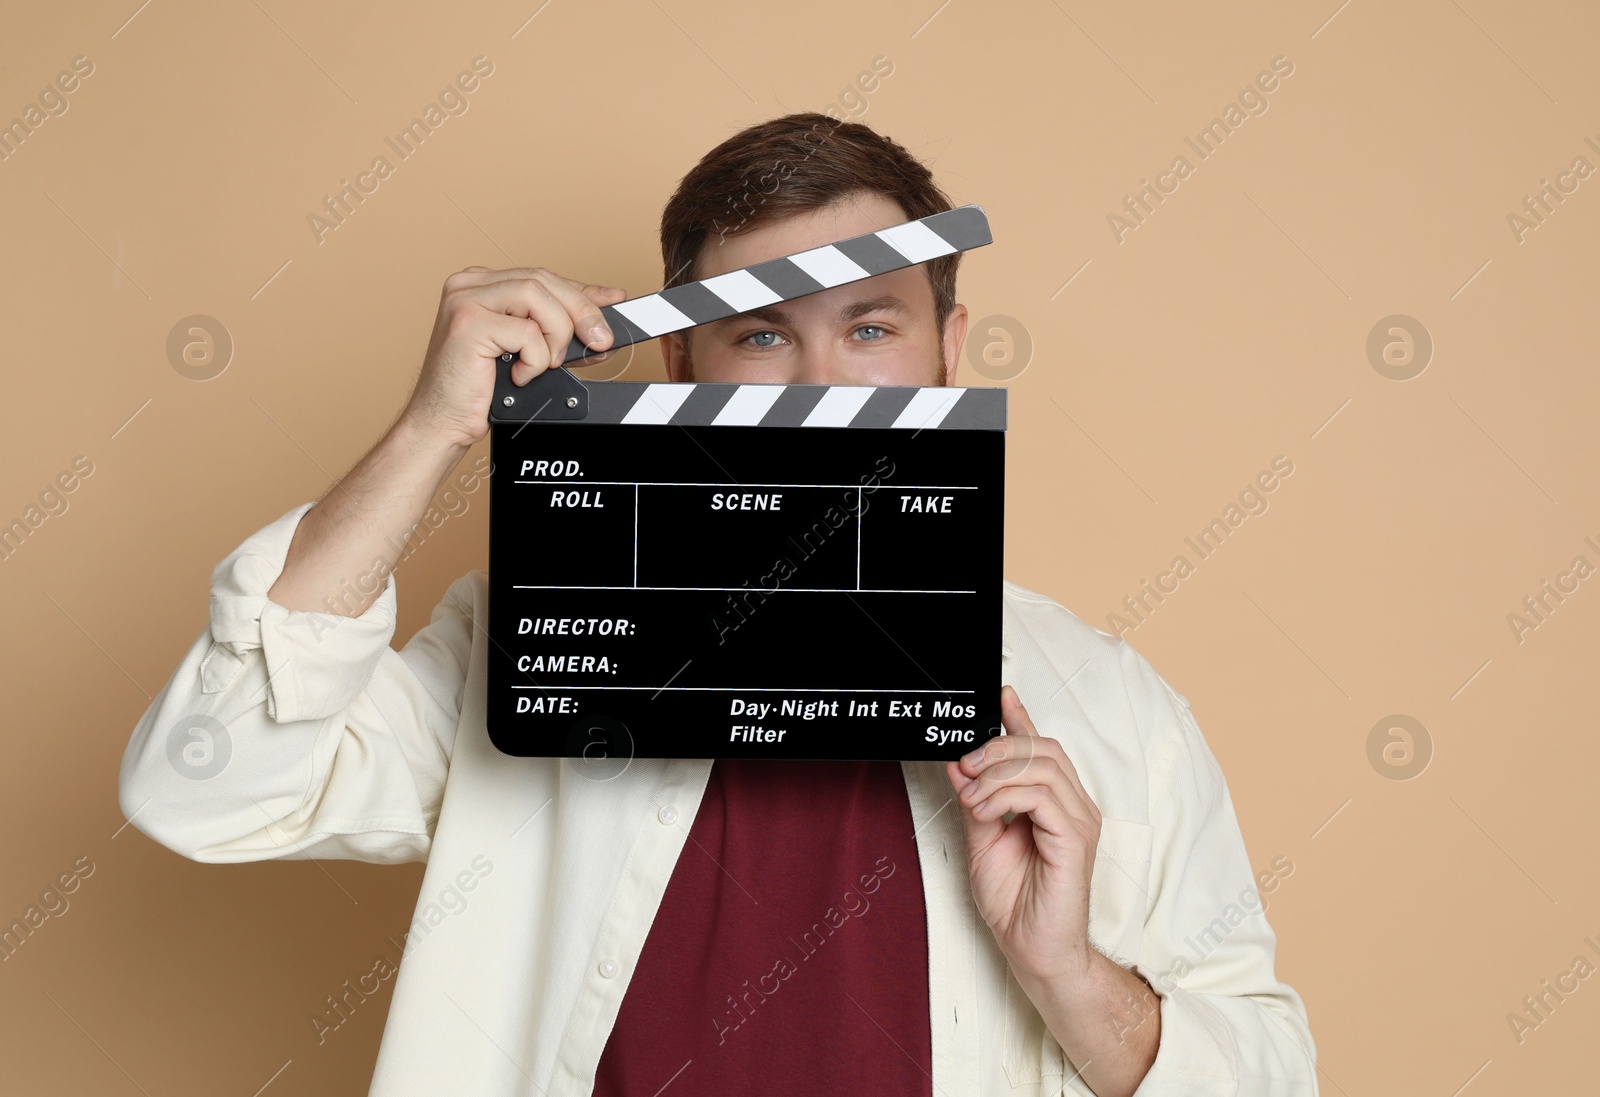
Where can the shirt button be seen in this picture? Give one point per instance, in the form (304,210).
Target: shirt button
(667,816)
(608,968)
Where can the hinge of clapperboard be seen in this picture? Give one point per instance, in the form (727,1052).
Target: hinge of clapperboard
(557,394)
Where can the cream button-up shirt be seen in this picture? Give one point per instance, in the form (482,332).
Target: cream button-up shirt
(288,734)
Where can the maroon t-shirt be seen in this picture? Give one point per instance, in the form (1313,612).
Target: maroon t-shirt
(790,952)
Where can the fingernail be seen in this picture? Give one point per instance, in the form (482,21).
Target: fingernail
(598,334)
(974,757)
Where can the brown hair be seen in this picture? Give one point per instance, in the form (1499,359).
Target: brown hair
(790,165)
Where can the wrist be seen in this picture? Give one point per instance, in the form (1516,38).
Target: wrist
(1076,984)
(415,433)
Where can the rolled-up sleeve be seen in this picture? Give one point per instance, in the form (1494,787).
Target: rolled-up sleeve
(293,734)
(1228,1024)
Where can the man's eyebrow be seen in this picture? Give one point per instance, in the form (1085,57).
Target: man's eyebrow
(886,302)
(771,314)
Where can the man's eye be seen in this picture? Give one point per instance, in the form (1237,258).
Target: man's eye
(872,327)
(760,335)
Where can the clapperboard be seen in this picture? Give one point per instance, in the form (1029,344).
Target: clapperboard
(706,570)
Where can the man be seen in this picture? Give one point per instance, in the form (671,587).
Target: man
(1068,908)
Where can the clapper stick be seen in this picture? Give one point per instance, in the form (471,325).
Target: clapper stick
(784,279)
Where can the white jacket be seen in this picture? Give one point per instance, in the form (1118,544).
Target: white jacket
(541,883)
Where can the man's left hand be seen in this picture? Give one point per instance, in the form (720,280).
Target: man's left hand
(1030,877)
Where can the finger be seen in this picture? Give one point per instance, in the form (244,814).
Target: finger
(1022,725)
(1020,739)
(1024,740)
(958,780)
(1043,772)
(596,292)
(1053,770)
(602,295)
(1002,748)
(532,298)
(580,299)
(471,276)
(484,276)
(498,333)
(582,309)
(1036,801)
(980,832)
(1079,794)
(593,292)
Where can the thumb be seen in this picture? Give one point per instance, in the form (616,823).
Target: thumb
(1013,715)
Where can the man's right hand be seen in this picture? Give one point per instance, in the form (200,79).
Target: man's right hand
(485,313)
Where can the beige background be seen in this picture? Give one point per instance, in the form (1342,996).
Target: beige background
(1167,371)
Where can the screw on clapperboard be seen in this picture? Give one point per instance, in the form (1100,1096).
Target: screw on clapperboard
(572,401)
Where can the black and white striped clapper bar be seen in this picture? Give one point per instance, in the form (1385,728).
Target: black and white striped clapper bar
(708,570)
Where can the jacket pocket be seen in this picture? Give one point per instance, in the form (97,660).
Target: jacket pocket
(1119,891)
(1118,900)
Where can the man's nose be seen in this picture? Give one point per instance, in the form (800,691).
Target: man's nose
(817,363)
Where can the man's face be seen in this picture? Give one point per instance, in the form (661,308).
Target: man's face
(878,331)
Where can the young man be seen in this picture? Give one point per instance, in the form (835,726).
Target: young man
(1069,908)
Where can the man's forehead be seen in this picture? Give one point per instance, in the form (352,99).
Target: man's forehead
(800,232)
(899,293)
